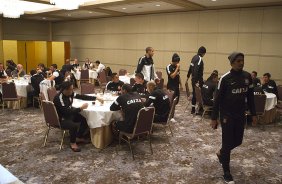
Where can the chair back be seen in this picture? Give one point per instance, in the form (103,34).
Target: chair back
(50,114)
(144,121)
(103,77)
(187,89)
(132,81)
(260,101)
(9,91)
(198,93)
(172,109)
(279,89)
(52,92)
(159,74)
(170,94)
(122,72)
(84,75)
(87,88)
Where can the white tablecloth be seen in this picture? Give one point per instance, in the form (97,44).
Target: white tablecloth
(98,115)
(21,86)
(44,85)
(6,177)
(271,101)
(92,74)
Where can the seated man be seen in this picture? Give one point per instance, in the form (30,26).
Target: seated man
(114,85)
(19,72)
(69,116)
(269,85)
(160,101)
(256,81)
(35,80)
(56,75)
(209,88)
(130,103)
(67,67)
(100,66)
(140,85)
(3,74)
(42,70)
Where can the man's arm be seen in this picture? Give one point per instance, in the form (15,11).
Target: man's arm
(85,97)
(140,65)
(116,105)
(150,100)
(66,111)
(175,73)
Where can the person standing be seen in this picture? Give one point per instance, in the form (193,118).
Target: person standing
(173,73)
(196,69)
(234,95)
(146,65)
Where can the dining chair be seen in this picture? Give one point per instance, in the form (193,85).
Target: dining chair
(122,72)
(199,100)
(9,93)
(87,88)
(52,92)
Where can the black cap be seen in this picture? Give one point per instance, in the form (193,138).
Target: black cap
(232,57)
(175,58)
(202,50)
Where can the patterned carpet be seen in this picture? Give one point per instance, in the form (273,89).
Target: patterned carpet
(188,157)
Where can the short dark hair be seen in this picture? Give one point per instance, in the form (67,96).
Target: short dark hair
(256,73)
(97,62)
(148,49)
(66,85)
(41,65)
(32,72)
(267,74)
(54,65)
(127,88)
(113,74)
(139,75)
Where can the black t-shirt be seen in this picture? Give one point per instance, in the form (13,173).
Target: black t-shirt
(256,82)
(141,89)
(130,104)
(114,86)
(270,87)
(160,101)
(172,82)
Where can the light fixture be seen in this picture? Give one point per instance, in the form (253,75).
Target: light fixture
(11,8)
(158,5)
(124,8)
(67,5)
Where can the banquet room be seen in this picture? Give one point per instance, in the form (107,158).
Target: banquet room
(131,91)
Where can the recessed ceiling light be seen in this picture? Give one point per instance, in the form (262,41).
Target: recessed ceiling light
(69,15)
(90,12)
(158,5)
(44,18)
(213,0)
(124,8)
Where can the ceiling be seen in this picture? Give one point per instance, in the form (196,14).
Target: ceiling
(112,8)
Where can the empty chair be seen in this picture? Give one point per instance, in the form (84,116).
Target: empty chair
(51,120)
(52,92)
(87,88)
(170,116)
(188,95)
(84,77)
(199,100)
(9,93)
(102,79)
(122,72)
(142,126)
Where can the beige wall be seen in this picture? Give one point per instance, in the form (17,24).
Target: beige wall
(20,29)
(119,42)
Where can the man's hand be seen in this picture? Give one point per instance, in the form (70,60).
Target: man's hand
(84,106)
(214,124)
(100,100)
(255,120)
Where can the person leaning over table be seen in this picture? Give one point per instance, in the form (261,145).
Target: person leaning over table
(115,85)
(130,103)
(140,85)
(69,116)
(159,100)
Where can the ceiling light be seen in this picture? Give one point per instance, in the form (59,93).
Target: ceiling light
(69,5)
(90,12)
(158,5)
(213,0)
(11,8)
(44,18)
(124,8)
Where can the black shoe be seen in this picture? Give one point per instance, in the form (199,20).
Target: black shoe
(193,111)
(219,158)
(228,178)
